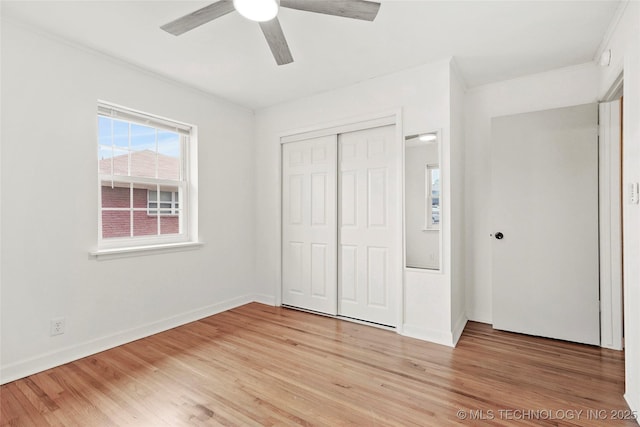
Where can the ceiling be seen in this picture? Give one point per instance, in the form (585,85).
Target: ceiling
(229,57)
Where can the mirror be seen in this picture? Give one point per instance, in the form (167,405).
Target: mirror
(422,200)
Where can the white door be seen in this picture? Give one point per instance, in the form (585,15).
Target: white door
(368,262)
(545,223)
(309,224)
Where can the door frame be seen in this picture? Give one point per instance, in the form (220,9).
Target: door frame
(336,127)
(611,255)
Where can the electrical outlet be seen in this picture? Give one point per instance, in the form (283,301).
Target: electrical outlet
(57,326)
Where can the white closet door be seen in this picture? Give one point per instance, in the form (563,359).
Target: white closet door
(368,272)
(309,224)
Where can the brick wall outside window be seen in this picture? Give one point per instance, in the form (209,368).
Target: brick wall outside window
(118,223)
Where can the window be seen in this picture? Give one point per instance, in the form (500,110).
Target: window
(144,179)
(169,202)
(432,197)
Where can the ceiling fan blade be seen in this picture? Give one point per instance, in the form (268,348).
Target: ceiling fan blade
(277,42)
(356,9)
(199,17)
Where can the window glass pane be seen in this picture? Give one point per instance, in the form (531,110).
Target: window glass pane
(104,159)
(116,224)
(165,196)
(170,224)
(143,151)
(104,131)
(120,162)
(143,137)
(153,195)
(117,197)
(168,155)
(144,224)
(435,196)
(140,196)
(121,134)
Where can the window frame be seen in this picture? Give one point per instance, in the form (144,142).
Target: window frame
(185,184)
(428,173)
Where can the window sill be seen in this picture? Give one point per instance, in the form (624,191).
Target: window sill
(144,250)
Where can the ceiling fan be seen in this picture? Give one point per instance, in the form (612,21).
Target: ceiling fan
(265,12)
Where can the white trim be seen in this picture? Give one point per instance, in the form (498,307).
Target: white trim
(432,335)
(144,250)
(124,179)
(458,328)
(611,29)
(353,124)
(338,130)
(616,90)
(122,113)
(474,315)
(450,339)
(399,257)
(59,357)
(265,299)
(634,403)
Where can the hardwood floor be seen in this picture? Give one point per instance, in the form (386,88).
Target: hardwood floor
(260,365)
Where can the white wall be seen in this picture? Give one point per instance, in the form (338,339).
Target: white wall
(559,88)
(624,43)
(49,208)
(422,245)
(423,94)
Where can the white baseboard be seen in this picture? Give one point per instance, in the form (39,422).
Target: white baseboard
(458,328)
(634,403)
(479,316)
(265,299)
(59,357)
(431,335)
(450,339)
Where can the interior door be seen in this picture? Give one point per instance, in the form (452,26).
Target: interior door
(545,223)
(368,261)
(309,224)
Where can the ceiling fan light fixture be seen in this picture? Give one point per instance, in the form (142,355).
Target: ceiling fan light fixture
(257,10)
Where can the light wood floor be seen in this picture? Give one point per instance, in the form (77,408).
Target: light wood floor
(260,365)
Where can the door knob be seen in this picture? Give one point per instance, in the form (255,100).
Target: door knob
(499,235)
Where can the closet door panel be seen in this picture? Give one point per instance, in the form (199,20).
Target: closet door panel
(368,225)
(309,224)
